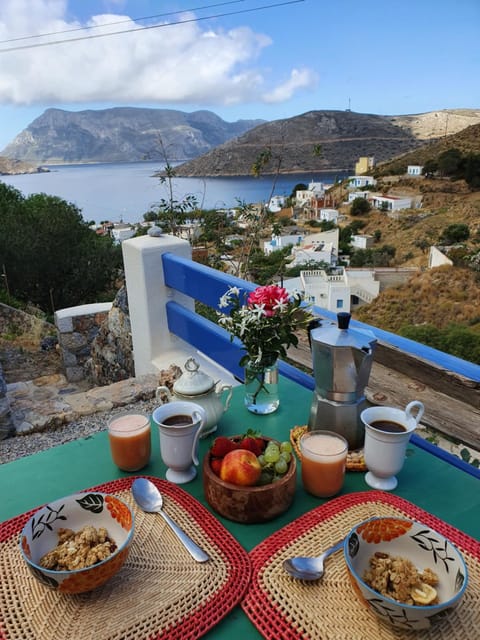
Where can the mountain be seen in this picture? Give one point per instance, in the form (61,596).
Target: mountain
(341,136)
(121,134)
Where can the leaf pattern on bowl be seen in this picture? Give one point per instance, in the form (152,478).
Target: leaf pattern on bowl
(92,502)
(46,519)
(44,579)
(397,618)
(429,541)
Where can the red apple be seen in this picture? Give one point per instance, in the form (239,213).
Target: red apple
(240,467)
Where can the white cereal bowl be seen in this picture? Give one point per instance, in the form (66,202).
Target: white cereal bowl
(425,548)
(39,536)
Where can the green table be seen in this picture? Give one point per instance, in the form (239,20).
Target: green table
(426,480)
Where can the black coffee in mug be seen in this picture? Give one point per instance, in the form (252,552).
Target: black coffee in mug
(389,426)
(178,421)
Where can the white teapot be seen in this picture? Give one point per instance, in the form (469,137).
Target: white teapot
(198,387)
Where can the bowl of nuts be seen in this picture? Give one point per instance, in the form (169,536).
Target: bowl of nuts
(407,573)
(249,478)
(77,543)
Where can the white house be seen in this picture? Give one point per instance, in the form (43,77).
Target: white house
(318,247)
(280,242)
(277,203)
(392,203)
(338,291)
(414,170)
(329,215)
(353,195)
(362,241)
(314,190)
(357,182)
(121,232)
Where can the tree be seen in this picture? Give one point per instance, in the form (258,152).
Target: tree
(265,269)
(300,186)
(360,206)
(471,170)
(381,257)
(455,233)
(172,212)
(51,257)
(449,162)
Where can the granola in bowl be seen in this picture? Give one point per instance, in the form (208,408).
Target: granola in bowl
(398,578)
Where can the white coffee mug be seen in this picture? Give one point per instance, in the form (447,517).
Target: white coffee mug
(387,432)
(180,425)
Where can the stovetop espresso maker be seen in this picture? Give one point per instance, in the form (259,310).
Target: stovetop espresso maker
(342,360)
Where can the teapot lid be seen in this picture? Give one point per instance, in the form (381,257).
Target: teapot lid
(193,382)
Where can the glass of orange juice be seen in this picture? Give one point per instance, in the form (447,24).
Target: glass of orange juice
(324,455)
(129,436)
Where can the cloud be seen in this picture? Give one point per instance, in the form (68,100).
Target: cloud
(187,63)
(299,79)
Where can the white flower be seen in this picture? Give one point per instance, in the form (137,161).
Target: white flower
(258,311)
(281,306)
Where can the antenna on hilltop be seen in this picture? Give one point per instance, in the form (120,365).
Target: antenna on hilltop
(348,106)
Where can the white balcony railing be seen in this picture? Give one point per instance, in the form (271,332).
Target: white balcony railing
(163,283)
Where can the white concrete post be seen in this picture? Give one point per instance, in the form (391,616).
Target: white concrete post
(148,295)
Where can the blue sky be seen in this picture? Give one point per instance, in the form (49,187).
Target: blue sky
(374,56)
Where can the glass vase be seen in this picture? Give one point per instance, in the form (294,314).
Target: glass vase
(261,388)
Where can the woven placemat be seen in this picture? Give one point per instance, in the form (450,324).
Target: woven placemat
(160,592)
(328,609)
(355,459)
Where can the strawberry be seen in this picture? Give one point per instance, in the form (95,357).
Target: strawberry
(221,446)
(216,463)
(255,445)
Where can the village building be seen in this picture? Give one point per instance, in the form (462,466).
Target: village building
(358,182)
(362,241)
(394,203)
(364,164)
(414,170)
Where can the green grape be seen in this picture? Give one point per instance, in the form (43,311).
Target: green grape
(286,456)
(286,446)
(261,460)
(271,455)
(281,466)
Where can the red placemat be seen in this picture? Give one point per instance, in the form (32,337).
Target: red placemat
(288,609)
(160,592)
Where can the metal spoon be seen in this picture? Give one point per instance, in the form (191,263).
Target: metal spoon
(149,498)
(309,568)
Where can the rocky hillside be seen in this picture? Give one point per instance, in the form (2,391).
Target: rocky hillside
(442,296)
(466,141)
(340,136)
(437,124)
(122,134)
(10,167)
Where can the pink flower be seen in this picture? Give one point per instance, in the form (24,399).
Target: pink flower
(269,297)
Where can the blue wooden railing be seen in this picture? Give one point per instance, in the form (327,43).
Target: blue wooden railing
(207,285)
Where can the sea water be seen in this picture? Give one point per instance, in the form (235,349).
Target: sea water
(124,192)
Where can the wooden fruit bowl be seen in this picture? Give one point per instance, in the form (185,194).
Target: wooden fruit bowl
(249,504)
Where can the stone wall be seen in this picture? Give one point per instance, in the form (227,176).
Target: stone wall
(77,327)
(111,353)
(95,341)
(6,421)
(15,322)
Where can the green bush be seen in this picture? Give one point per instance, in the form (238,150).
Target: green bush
(456,340)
